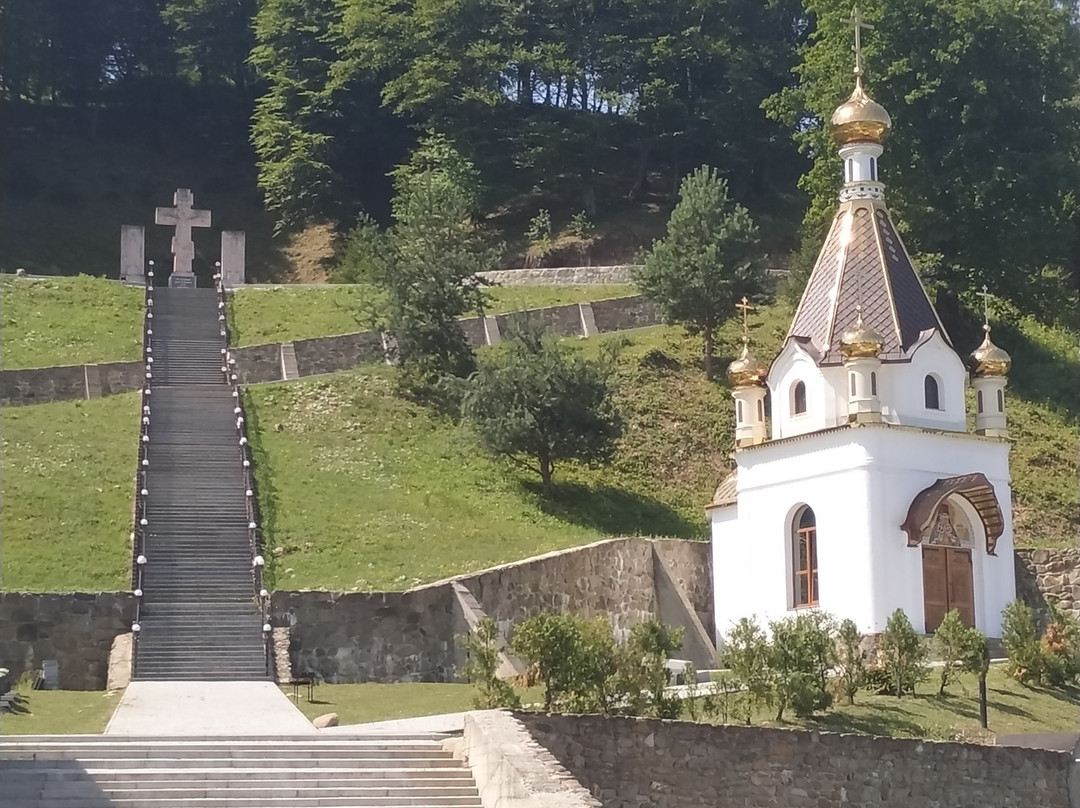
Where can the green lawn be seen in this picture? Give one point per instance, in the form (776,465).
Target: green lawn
(281,314)
(69,321)
(68,484)
(62,712)
(1012,709)
(362,703)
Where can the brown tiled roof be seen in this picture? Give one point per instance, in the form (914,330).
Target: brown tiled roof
(726,492)
(863,260)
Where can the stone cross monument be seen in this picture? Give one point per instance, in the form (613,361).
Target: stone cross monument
(183,217)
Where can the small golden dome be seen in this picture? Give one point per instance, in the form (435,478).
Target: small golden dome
(861,341)
(988,359)
(860,119)
(747,370)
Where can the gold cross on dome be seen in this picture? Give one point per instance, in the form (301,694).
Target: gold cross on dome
(985,295)
(746,308)
(858,23)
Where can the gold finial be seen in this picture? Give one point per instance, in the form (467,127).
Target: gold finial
(858,23)
(988,359)
(746,308)
(860,118)
(861,341)
(747,370)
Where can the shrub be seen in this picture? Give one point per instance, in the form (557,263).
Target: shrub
(482,668)
(903,655)
(1021,643)
(539,237)
(800,657)
(1060,646)
(555,647)
(746,654)
(850,660)
(584,670)
(960,647)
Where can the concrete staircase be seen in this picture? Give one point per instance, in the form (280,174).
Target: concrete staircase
(292,772)
(198,617)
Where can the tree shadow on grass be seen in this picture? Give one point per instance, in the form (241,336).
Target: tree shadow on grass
(886,721)
(615,511)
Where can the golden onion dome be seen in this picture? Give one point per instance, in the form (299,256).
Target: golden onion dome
(747,370)
(988,359)
(861,341)
(859,119)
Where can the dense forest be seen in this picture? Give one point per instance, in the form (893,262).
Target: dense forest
(594,106)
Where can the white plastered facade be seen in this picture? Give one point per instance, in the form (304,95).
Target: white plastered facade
(860,482)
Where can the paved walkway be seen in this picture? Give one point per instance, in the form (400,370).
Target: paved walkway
(207,709)
(446,723)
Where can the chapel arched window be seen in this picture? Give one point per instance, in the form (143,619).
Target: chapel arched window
(804,571)
(798,398)
(932,393)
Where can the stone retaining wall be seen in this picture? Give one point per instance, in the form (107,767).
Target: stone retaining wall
(369,636)
(512,770)
(611,577)
(68,382)
(1048,573)
(76,629)
(628,762)
(409,636)
(560,276)
(262,363)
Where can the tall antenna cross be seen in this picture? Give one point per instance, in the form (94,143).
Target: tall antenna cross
(858,23)
(746,308)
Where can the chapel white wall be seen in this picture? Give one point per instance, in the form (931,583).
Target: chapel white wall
(860,483)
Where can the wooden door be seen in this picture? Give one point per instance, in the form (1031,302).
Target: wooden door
(935,576)
(961,585)
(948,583)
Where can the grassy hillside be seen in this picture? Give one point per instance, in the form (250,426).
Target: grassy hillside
(361,490)
(68,484)
(69,321)
(281,314)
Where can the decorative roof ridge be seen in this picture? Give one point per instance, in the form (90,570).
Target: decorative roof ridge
(904,249)
(880,425)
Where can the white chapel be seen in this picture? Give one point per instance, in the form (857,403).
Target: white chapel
(864,491)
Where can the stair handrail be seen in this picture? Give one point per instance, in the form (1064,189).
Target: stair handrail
(228,370)
(139,518)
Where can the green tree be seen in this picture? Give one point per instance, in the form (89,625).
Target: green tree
(425,266)
(984,100)
(959,647)
(746,654)
(850,659)
(539,402)
(904,655)
(1020,641)
(707,260)
(482,646)
(800,656)
(213,38)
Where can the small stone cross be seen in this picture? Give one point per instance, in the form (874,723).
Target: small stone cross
(183,217)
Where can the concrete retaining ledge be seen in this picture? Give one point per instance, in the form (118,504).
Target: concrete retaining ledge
(514,771)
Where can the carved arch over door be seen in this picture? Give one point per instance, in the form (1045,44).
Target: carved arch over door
(975,488)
